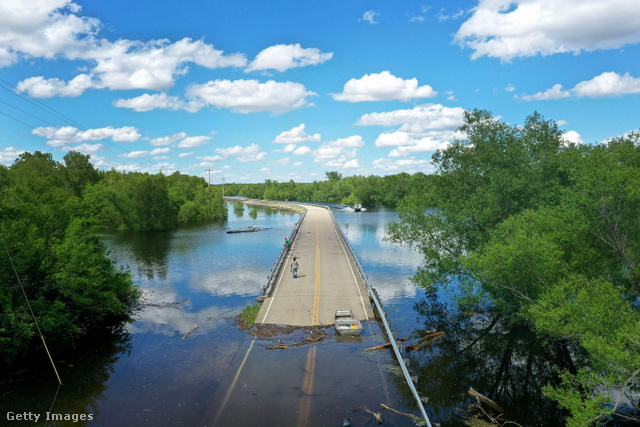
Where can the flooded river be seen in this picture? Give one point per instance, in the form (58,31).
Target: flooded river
(198,278)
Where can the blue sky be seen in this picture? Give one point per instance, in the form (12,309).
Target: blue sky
(256,90)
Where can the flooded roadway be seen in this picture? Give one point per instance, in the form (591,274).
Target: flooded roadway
(146,374)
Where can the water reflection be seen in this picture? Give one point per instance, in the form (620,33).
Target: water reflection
(200,276)
(506,362)
(146,251)
(85,375)
(238,209)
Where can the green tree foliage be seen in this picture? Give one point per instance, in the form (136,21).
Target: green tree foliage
(79,171)
(72,285)
(545,234)
(333,176)
(140,201)
(370,191)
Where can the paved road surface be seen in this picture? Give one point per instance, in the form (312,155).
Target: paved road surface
(327,278)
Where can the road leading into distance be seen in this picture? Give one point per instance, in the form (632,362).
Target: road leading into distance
(327,278)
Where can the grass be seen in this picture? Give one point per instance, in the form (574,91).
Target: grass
(248,316)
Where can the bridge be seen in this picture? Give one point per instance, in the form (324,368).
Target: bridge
(328,279)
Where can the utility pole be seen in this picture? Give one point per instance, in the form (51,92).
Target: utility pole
(209,170)
(223,186)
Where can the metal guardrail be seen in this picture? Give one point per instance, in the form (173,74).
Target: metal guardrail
(387,328)
(275,270)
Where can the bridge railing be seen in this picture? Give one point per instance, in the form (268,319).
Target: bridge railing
(387,327)
(279,264)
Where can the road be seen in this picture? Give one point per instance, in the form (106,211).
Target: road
(327,278)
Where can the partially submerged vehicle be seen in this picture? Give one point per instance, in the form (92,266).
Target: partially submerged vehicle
(347,323)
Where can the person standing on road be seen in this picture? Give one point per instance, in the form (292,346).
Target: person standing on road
(287,242)
(294,267)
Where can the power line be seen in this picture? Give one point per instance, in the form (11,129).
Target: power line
(30,309)
(41,105)
(27,98)
(49,136)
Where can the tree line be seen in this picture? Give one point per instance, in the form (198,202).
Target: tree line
(47,250)
(543,233)
(370,191)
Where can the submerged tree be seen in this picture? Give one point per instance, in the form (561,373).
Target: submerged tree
(70,282)
(543,233)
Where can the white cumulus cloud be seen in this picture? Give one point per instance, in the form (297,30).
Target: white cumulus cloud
(383,86)
(556,92)
(168,140)
(53,29)
(9,154)
(193,141)
(65,135)
(411,164)
(371,17)
(248,96)
(147,102)
(606,84)
(424,128)
(301,151)
(281,57)
(572,137)
(507,29)
(295,135)
(39,87)
(406,145)
(251,153)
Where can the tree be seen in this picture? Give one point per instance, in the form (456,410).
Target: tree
(546,235)
(333,176)
(72,285)
(79,171)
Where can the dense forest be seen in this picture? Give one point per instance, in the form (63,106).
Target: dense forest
(518,223)
(370,191)
(48,250)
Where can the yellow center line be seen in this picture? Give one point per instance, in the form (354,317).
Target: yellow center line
(307,388)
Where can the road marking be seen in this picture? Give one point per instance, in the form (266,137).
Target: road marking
(282,273)
(233,383)
(335,224)
(307,388)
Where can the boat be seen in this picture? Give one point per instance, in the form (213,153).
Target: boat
(347,323)
(357,207)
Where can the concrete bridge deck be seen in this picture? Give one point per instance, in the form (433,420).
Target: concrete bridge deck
(327,278)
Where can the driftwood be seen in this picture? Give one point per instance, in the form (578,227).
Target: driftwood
(404,414)
(484,399)
(314,336)
(280,346)
(429,339)
(189,333)
(387,345)
(376,415)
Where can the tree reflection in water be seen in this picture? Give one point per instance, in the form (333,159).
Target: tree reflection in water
(84,375)
(506,362)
